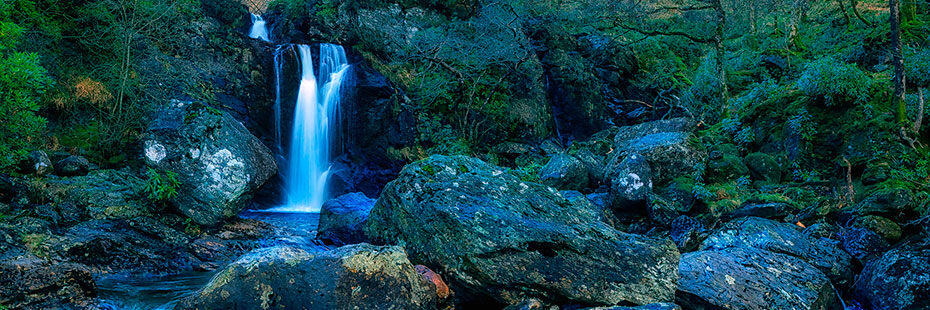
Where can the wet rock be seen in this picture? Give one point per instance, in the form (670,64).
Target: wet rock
(750,278)
(498,237)
(884,227)
(113,246)
(630,183)
(863,243)
(763,167)
(787,239)
(341,219)
(158,229)
(38,163)
(898,279)
(30,283)
(563,171)
(358,276)
(218,162)
(72,166)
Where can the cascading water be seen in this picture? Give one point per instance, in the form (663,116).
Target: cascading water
(259,29)
(316,117)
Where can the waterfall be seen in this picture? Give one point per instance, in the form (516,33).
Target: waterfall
(316,121)
(259,30)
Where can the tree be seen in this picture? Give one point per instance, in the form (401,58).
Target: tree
(22,83)
(898,61)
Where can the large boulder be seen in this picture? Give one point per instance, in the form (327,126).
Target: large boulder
(665,144)
(898,279)
(563,171)
(218,162)
(341,219)
(498,237)
(101,194)
(765,234)
(749,278)
(630,183)
(358,276)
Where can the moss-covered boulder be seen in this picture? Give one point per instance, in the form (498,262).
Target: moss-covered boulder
(764,167)
(358,276)
(502,239)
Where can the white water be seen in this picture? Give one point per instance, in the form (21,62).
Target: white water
(316,117)
(259,29)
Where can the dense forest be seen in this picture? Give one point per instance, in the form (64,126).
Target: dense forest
(459,154)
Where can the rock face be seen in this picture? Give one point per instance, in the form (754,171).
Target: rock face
(218,162)
(341,219)
(755,232)
(749,278)
(564,172)
(358,276)
(898,279)
(495,236)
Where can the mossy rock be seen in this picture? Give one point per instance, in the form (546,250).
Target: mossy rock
(764,167)
(724,164)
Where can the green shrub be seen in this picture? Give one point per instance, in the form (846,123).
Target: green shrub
(22,83)
(917,68)
(835,82)
(161,187)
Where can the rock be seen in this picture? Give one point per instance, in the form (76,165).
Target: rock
(823,230)
(341,219)
(784,238)
(661,211)
(898,279)
(442,290)
(655,306)
(724,164)
(359,276)
(863,243)
(630,183)
(563,171)
(771,210)
(889,202)
(72,166)
(627,133)
(670,154)
(884,227)
(512,148)
(218,162)
(101,194)
(688,233)
(496,236)
(750,278)
(38,163)
(30,283)
(763,167)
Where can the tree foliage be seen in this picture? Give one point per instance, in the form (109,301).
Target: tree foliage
(23,81)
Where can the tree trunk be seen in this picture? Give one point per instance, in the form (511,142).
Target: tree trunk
(719,54)
(898,61)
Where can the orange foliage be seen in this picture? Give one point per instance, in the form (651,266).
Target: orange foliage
(93,91)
